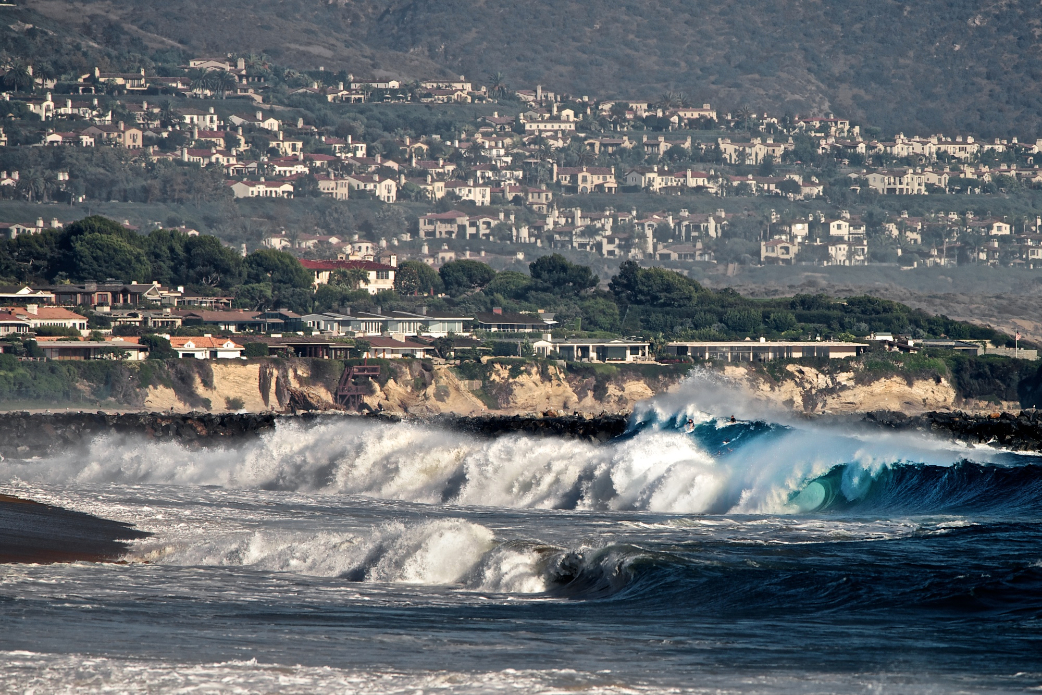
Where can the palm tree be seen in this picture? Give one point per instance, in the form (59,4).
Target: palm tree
(223,82)
(202,82)
(670,100)
(497,85)
(18,78)
(349,277)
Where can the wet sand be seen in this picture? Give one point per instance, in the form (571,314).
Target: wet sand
(31,532)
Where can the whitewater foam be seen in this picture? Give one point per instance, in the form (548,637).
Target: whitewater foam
(658,469)
(442,552)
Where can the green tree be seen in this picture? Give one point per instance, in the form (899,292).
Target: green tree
(600,314)
(103,256)
(510,284)
(277,268)
(653,286)
(416,277)
(18,78)
(460,277)
(158,347)
(351,278)
(558,274)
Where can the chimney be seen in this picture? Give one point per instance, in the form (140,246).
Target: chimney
(33,309)
(393,261)
(260,115)
(211,110)
(240,64)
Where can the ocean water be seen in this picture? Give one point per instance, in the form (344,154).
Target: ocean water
(754,556)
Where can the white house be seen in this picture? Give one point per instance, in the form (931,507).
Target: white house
(206,347)
(262,189)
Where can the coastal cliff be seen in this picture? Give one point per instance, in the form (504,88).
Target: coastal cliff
(501,386)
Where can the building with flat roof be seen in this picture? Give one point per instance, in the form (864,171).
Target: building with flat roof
(762,350)
(593,350)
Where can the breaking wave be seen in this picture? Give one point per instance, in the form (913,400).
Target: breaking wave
(443,552)
(675,458)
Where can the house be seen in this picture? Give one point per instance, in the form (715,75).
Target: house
(591,350)
(586,179)
(70,138)
(204,120)
(118,134)
(12,323)
(897,182)
(305,346)
(162,319)
(106,294)
(380,276)
(23,294)
(683,252)
(382,188)
(49,317)
(443,225)
(752,152)
(479,195)
(389,348)
(762,350)
(261,189)
(206,347)
(778,251)
(115,349)
(848,253)
(256,120)
(231,321)
(513,323)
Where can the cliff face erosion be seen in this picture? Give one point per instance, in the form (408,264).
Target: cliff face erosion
(505,387)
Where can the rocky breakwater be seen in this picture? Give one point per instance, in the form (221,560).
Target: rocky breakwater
(1014,431)
(594,429)
(24,435)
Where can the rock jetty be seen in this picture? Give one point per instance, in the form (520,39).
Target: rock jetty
(1014,431)
(23,435)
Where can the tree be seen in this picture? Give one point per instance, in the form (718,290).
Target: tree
(222,82)
(558,274)
(510,284)
(18,78)
(352,278)
(462,276)
(416,277)
(653,286)
(277,268)
(158,347)
(497,85)
(600,314)
(766,166)
(103,256)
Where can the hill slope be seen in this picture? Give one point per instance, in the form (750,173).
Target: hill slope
(919,67)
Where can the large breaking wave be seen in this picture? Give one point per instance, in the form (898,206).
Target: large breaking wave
(720,467)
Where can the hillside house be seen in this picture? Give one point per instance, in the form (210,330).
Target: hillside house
(778,252)
(380,277)
(262,189)
(585,179)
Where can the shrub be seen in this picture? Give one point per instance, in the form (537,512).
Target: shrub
(255,350)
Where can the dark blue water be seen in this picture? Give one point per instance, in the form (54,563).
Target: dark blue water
(350,557)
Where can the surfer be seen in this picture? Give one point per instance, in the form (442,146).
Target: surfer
(690,426)
(732,419)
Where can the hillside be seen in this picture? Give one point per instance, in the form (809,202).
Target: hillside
(956,65)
